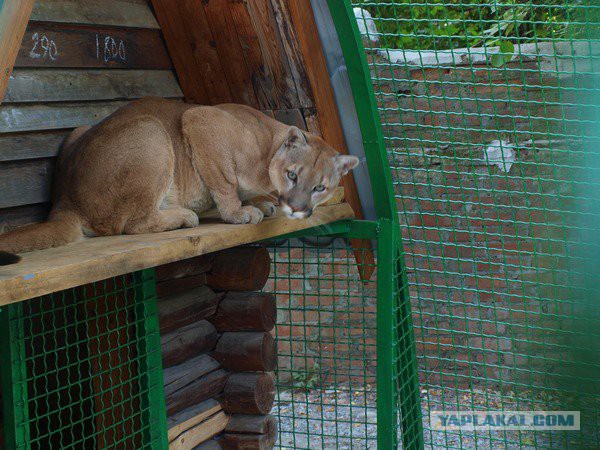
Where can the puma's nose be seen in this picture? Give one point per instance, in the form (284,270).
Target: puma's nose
(304,209)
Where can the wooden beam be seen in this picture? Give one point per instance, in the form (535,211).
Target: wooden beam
(197,28)
(181,49)
(316,68)
(14,15)
(230,52)
(46,271)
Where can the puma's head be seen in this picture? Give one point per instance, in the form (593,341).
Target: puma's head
(305,171)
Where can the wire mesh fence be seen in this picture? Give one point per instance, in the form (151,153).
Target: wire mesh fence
(488,111)
(81,368)
(326,337)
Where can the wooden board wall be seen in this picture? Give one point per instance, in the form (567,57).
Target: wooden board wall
(79,60)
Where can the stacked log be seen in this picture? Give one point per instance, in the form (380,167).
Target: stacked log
(217,349)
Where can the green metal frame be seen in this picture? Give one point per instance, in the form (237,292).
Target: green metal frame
(14,392)
(392,286)
(149,338)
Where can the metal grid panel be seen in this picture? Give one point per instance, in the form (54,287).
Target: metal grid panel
(488,114)
(81,368)
(327,344)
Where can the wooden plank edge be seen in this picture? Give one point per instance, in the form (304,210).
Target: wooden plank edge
(52,270)
(14,17)
(190,417)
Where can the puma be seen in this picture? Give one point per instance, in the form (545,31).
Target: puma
(155,164)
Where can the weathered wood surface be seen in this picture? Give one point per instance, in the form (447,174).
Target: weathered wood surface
(247,351)
(311,117)
(180,48)
(51,270)
(275,64)
(249,393)
(179,376)
(68,85)
(291,117)
(179,310)
(246,311)
(205,52)
(14,118)
(234,441)
(14,16)
(48,44)
(11,218)
(187,418)
(199,390)
(126,13)
(316,69)
(25,182)
(252,424)
(212,444)
(185,268)
(240,269)
(201,432)
(36,145)
(289,40)
(231,52)
(263,54)
(180,285)
(186,342)
(250,432)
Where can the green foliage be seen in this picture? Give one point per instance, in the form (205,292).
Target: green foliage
(506,50)
(452,24)
(307,380)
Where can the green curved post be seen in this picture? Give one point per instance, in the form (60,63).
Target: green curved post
(397,375)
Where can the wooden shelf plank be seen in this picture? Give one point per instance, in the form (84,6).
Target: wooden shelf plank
(46,271)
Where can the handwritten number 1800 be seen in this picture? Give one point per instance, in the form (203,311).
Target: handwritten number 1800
(108,49)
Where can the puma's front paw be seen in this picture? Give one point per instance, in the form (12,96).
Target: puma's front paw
(267,208)
(246,214)
(190,220)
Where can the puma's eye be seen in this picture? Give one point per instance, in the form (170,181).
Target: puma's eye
(319,188)
(292,175)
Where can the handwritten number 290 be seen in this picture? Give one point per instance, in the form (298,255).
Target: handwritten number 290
(43,48)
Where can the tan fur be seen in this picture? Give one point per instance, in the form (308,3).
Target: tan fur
(155,164)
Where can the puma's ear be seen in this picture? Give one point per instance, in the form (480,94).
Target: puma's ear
(345,163)
(294,137)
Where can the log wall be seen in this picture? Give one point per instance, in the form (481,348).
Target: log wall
(218,352)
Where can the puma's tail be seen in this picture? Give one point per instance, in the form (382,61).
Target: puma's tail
(8,258)
(62,227)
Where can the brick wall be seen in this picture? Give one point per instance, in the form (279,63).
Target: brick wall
(485,247)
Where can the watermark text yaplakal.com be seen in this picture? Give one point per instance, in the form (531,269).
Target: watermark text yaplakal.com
(504,420)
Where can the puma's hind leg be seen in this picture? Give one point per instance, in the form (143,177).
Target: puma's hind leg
(163,220)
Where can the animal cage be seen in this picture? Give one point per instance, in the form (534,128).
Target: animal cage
(455,270)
